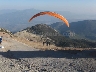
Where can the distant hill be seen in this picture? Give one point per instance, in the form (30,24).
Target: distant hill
(16,20)
(42,29)
(86,28)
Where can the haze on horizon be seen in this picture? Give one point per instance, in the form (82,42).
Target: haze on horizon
(75,6)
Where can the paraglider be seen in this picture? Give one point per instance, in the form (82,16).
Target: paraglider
(51,14)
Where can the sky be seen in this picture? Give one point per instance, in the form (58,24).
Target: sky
(76,6)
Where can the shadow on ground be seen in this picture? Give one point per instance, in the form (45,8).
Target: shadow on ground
(70,54)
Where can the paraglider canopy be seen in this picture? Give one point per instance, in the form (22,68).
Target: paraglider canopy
(51,14)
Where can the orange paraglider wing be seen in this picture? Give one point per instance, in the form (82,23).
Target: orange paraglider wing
(51,14)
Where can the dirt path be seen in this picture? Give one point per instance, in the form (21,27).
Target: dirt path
(14,45)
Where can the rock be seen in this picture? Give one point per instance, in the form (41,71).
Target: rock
(43,69)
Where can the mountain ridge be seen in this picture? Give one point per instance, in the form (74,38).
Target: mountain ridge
(13,20)
(82,28)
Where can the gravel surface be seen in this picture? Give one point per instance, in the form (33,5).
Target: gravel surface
(19,57)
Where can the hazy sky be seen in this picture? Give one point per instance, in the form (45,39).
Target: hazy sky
(77,6)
